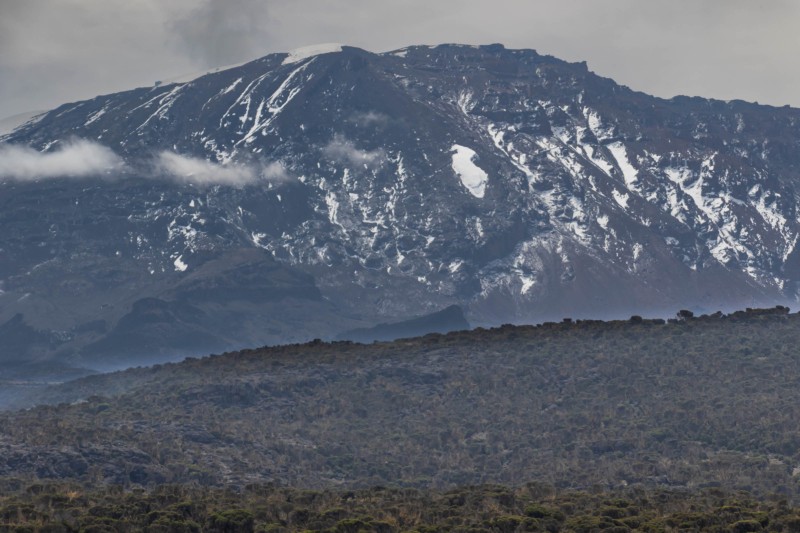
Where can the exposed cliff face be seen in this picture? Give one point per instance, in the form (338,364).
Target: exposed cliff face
(366,188)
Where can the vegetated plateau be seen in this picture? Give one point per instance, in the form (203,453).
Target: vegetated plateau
(694,402)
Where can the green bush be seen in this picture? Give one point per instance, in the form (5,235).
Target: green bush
(232,521)
(745,526)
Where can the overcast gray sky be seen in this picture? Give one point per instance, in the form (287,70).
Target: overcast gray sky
(55,51)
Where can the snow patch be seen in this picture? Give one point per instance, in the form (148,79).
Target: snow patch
(595,158)
(562,155)
(94,116)
(527,284)
(258,239)
(232,86)
(180,266)
(682,177)
(518,160)
(299,54)
(401,52)
(165,103)
(638,250)
(600,131)
(621,198)
(472,176)
(620,154)
(465,102)
(274,105)
(333,209)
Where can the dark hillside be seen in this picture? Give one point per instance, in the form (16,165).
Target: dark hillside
(705,401)
(448,319)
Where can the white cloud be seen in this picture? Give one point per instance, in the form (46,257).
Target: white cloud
(82,158)
(203,172)
(344,151)
(275,172)
(74,159)
(370,118)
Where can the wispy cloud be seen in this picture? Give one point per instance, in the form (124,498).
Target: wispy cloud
(203,172)
(369,118)
(344,151)
(74,159)
(82,158)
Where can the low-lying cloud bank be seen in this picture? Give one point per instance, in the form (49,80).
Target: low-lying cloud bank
(81,158)
(203,172)
(74,159)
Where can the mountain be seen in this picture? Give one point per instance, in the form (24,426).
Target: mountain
(306,194)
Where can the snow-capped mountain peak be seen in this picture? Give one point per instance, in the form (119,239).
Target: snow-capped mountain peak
(517,185)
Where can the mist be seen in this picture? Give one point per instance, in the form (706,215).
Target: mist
(203,172)
(343,150)
(72,159)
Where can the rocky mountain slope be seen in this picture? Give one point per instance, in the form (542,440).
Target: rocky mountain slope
(306,194)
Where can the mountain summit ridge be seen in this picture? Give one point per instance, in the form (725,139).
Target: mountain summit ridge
(516,185)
